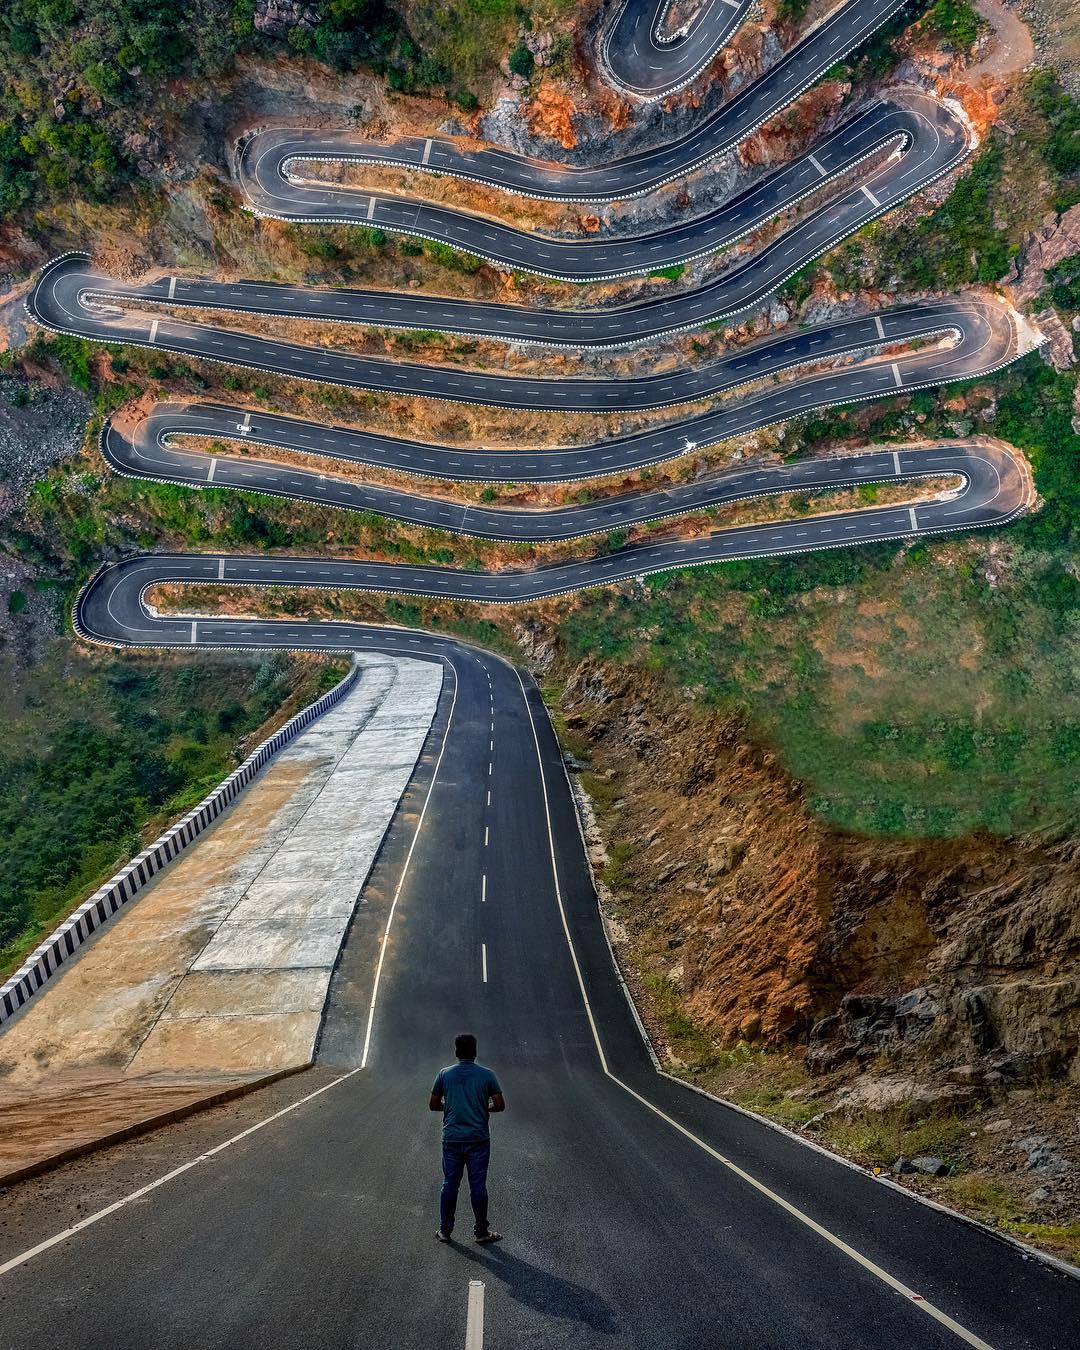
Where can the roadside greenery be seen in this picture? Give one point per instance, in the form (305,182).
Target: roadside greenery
(103,749)
(85,84)
(976,233)
(74,72)
(914,690)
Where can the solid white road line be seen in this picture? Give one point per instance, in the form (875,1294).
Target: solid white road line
(172,287)
(143,1191)
(194,632)
(372,202)
(869,195)
(896,461)
(405,873)
(23,1257)
(879,326)
(914,520)
(897,376)
(153,331)
(211,471)
(968,1337)
(817,166)
(221,569)
(474,1322)
(483,960)
(427,151)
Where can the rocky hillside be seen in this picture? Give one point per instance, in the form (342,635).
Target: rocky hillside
(894,997)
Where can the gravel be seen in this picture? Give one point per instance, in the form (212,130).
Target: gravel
(39,425)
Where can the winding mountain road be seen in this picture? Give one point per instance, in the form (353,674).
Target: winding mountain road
(644,52)
(916,142)
(637,1212)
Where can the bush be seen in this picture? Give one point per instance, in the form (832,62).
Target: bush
(521,62)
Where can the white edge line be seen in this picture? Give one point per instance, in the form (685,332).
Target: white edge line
(1022,1248)
(405,872)
(474,1326)
(917,1300)
(24,1257)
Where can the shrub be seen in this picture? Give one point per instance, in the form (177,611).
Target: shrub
(521,62)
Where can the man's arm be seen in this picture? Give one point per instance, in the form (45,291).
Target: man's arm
(435,1102)
(496,1102)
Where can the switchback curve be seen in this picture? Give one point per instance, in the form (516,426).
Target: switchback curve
(907,348)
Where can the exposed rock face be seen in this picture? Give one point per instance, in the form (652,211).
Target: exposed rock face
(276,17)
(1051,244)
(551,116)
(1058,348)
(541,45)
(955,955)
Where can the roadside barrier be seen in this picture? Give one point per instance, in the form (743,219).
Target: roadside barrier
(46,959)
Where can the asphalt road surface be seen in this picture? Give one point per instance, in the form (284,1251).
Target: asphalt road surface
(994,489)
(648,53)
(911,139)
(268,154)
(982,326)
(636,1212)
(926,139)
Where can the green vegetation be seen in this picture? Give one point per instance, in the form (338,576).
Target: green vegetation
(910,692)
(685,1039)
(672,273)
(79,77)
(878,1138)
(961,241)
(1064,282)
(521,62)
(111,52)
(975,234)
(954,22)
(455,259)
(103,751)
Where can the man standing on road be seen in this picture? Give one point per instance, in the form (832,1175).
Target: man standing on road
(465,1093)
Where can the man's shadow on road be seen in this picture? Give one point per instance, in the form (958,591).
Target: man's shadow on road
(543,1291)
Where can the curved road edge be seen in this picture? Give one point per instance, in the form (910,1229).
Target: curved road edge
(112,609)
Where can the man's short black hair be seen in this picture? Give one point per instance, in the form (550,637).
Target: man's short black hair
(465,1046)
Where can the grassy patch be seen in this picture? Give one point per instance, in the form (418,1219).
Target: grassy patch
(1062,1237)
(672,273)
(914,690)
(684,1038)
(879,1138)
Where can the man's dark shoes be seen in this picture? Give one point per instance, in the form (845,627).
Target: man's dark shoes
(489,1236)
(443,1237)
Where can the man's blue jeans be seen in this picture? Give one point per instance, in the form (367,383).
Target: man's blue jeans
(456,1159)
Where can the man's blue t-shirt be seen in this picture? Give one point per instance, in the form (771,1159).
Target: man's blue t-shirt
(465,1088)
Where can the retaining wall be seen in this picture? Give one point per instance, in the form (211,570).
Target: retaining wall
(46,959)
